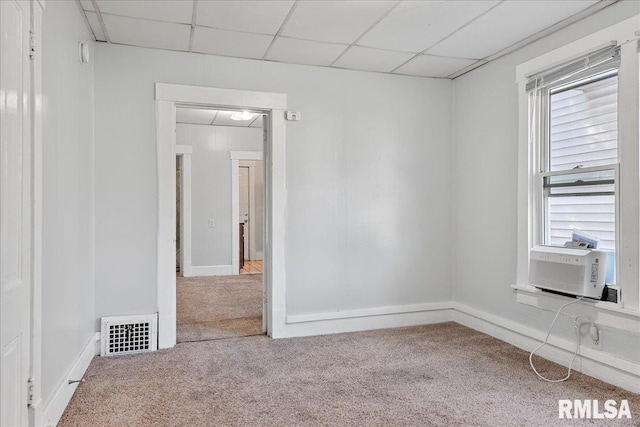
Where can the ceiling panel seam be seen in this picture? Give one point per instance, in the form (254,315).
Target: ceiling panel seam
(275,37)
(101,21)
(384,15)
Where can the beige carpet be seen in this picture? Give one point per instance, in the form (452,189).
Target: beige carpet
(216,307)
(434,375)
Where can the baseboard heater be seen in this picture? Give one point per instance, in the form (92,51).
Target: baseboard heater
(129,334)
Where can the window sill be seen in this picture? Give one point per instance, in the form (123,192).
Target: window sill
(602,312)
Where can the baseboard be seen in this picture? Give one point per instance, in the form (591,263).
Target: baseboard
(597,364)
(359,320)
(211,270)
(61,397)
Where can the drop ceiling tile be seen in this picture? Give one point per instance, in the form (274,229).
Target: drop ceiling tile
(87,5)
(195,116)
(433,66)
(369,59)
(490,34)
(179,11)
(139,32)
(334,21)
(224,119)
(264,16)
(304,52)
(230,43)
(92,17)
(416,25)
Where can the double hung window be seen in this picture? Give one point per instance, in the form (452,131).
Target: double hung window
(573,129)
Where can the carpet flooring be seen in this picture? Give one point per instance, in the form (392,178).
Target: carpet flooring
(216,307)
(433,375)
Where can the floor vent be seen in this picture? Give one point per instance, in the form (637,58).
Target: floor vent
(129,334)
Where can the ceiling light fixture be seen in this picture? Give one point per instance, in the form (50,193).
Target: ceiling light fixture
(244,115)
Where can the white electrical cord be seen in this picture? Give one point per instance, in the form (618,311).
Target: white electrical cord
(577,329)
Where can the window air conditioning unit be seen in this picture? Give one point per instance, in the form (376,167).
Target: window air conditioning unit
(572,271)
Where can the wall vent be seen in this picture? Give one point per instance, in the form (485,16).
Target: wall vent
(129,334)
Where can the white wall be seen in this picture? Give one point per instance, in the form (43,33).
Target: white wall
(485,187)
(368,219)
(211,186)
(68,316)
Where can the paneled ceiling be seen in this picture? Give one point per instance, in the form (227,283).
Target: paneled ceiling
(426,38)
(200,116)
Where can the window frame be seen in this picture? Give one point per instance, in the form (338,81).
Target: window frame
(542,145)
(625,34)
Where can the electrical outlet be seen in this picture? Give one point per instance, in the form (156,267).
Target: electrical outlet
(212,223)
(594,345)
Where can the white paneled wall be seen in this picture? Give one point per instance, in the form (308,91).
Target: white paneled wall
(368,191)
(68,316)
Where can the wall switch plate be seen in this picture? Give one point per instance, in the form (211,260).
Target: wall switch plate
(293,116)
(212,223)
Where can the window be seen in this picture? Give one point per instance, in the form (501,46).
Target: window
(578,152)
(573,121)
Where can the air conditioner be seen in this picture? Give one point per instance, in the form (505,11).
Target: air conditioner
(568,270)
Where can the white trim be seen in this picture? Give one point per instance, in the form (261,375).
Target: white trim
(184,149)
(167,96)
(362,320)
(185,152)
(258,256)
(233,98)
(236,157)
(61,397)
(212,270)
(37,10)
(245,155)
(594,363)
(166,217)
(368,312)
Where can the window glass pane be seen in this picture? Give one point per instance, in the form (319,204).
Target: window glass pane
(592,214)
(584,125)
(595,177)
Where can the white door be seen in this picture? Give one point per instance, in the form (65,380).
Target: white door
(14,211)
(243,185)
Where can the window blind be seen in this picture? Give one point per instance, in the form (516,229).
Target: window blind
(608,54)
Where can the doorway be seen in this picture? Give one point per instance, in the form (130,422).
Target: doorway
(248,211)
(214,302)
(273,105)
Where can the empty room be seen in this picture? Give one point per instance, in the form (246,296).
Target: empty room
(302,213)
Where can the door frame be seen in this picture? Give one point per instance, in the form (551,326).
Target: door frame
(167,97)
(236,157)
(185,151)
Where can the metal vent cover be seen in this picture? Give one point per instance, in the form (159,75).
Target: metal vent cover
(129,334)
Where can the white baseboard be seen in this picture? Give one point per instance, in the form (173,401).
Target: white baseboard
(211,270)
(54,409)
(359,320)
(597,364)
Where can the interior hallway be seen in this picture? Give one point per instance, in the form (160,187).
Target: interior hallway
(215,307)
